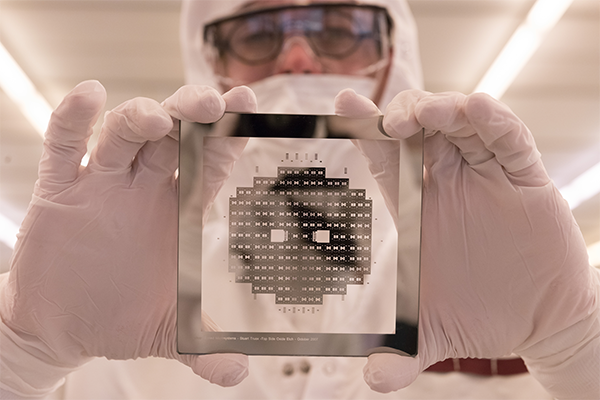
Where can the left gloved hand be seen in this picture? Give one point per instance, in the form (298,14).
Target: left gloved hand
(504,266)
(94,270)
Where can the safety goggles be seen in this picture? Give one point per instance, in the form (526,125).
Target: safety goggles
(334,31)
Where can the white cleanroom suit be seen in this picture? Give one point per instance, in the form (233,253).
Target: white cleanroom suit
(504,267)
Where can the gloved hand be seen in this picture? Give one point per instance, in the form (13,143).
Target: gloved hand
(504,266)
(94,271)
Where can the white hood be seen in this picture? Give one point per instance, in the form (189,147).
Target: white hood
(406,66)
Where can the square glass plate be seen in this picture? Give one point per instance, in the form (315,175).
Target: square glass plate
(298,235)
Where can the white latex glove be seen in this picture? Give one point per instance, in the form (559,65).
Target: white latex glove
(94,271)
(504,266)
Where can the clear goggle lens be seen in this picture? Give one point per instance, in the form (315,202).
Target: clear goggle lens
(333,31)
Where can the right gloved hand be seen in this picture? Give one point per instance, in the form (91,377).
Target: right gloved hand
(94,269)
(504,266)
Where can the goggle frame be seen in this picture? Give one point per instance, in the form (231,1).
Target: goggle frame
(222,46)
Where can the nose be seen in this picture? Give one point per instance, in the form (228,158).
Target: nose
(297,57)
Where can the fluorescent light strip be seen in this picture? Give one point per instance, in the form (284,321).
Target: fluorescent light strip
(582,188)
(8,231)
(19,88)
(594,253)
(524,42)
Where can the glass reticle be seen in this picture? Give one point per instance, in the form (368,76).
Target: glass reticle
(299,252)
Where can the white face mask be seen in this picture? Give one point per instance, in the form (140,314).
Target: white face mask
(308,93)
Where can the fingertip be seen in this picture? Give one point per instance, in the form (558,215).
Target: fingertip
(212,105)
(221,369)
(195,103)
(91,87)
(240,99)
(350,104)
(481,98)
(480,106)
(399,119)
(89,95)
(236,370)
(398,127)
(138,120)
(154,122)
(68,131)
(443,112)
(78,111)
(387,372)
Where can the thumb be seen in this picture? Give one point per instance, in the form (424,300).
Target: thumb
(387,372)
(222,369)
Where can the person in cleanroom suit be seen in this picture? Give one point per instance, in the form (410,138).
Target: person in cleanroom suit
(93,276)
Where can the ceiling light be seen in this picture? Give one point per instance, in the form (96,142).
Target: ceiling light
(19,88)
(594,253)
(582,188)
(524,42)
(8,231)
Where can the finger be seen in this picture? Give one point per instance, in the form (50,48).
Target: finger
(195,103)
(240,99)
(507,137)
(448,135)
(483,129)
(445,112)
(124,132)
(399,120)
(68,131)
(350,104)
(222,369)
(387,372)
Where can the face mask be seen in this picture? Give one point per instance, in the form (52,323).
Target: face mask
(308,93)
